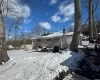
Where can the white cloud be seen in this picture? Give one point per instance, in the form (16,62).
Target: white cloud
(15,9)
(72,24)
(65,19)
(26,21)
(66,11)
(19,27)
(45,25)
(52,2)
(26,31)
(56,18)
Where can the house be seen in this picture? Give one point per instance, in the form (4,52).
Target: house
(55,39)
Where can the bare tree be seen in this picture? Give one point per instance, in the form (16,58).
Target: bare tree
(90,21)
(7,9)
(94,25)
(44,31)
(23,39)
(17,22)
(9,28)
(93,13)
(93,16)
(3,50)
(37,30)
(98,24)
(77,22)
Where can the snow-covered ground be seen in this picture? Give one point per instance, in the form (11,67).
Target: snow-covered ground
(85,43)
(25,65)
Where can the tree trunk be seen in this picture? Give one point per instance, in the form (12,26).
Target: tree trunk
(16,38)
(76,35)
(3,49)
(94,25)
(90,21)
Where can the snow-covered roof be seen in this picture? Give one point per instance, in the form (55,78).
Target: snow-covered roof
(53,35)
(58,34)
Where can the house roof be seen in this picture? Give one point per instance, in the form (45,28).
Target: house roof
(53,35)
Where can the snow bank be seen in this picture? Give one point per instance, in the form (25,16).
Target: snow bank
(85,43)
(91,45)
(73,76)
(80,46)
(27,47)
(10,47)
(37,65)
(74,58)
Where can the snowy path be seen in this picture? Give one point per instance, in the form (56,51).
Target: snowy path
(33,66)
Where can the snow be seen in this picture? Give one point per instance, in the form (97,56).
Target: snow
(56,34)
(85,43)
(73,76)
(59,34)
(91,45)
(80,46)
(71,62)
(28,65)
(27,47)
(10,46)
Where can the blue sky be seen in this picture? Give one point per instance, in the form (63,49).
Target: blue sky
(47,11)
(52,15)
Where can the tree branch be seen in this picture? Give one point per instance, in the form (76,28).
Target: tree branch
(88,18)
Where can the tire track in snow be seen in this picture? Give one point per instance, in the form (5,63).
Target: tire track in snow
(2,71)
(49,60)
(41,69)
